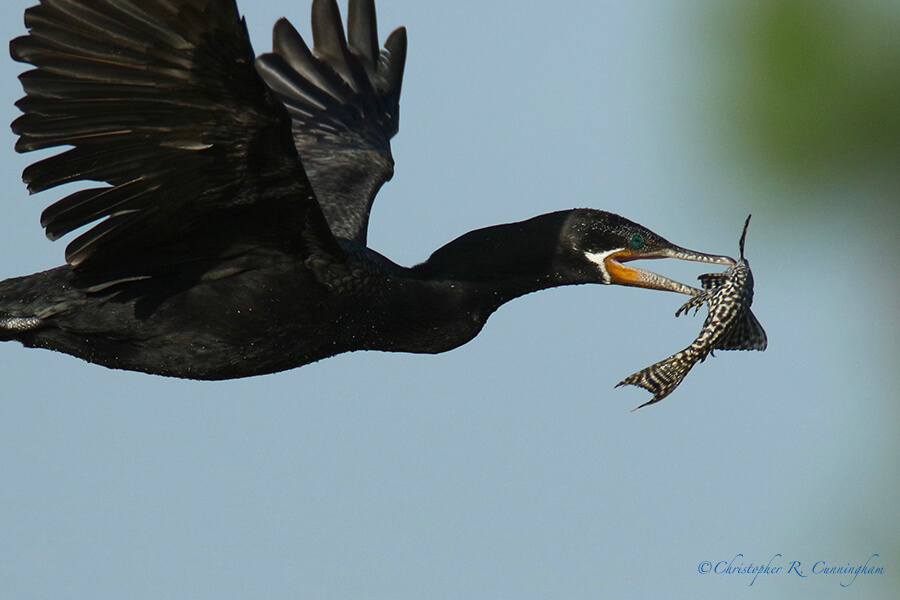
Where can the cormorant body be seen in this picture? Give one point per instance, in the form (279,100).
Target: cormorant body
(229,239)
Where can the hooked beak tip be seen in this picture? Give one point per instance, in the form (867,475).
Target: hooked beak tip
(685,254)
(630,276)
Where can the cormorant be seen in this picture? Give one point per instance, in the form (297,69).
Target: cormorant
(228,233)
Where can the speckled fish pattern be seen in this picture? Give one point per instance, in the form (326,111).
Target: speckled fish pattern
(730,325)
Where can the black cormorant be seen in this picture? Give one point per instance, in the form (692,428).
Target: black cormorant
(228,235)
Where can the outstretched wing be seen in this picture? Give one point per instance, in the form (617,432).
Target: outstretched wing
(159,99)
(343,98)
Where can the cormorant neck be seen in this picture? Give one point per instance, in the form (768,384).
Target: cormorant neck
(507,260)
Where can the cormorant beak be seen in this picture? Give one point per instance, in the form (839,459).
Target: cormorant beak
(620,274)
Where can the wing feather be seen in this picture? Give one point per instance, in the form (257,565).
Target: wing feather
(362,34)
(343,98)
(160,100)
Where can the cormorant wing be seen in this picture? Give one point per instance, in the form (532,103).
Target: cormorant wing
(343,98)
(160,99)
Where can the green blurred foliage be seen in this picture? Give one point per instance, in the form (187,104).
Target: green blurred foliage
(810,89)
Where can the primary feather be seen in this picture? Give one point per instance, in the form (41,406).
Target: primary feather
(172,115)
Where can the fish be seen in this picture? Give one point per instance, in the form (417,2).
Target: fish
(730,325)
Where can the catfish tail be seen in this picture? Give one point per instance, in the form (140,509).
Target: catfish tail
(662,378)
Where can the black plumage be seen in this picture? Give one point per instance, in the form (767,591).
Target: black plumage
(227,237)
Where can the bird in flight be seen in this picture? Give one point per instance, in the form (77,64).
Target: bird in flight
(223,230)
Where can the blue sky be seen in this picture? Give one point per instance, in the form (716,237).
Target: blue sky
(510,467)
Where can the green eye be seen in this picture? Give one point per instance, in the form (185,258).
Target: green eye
(637,241)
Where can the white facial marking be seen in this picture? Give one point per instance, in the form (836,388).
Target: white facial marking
(599,258)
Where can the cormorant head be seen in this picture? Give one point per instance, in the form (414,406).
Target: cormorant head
(608,241)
